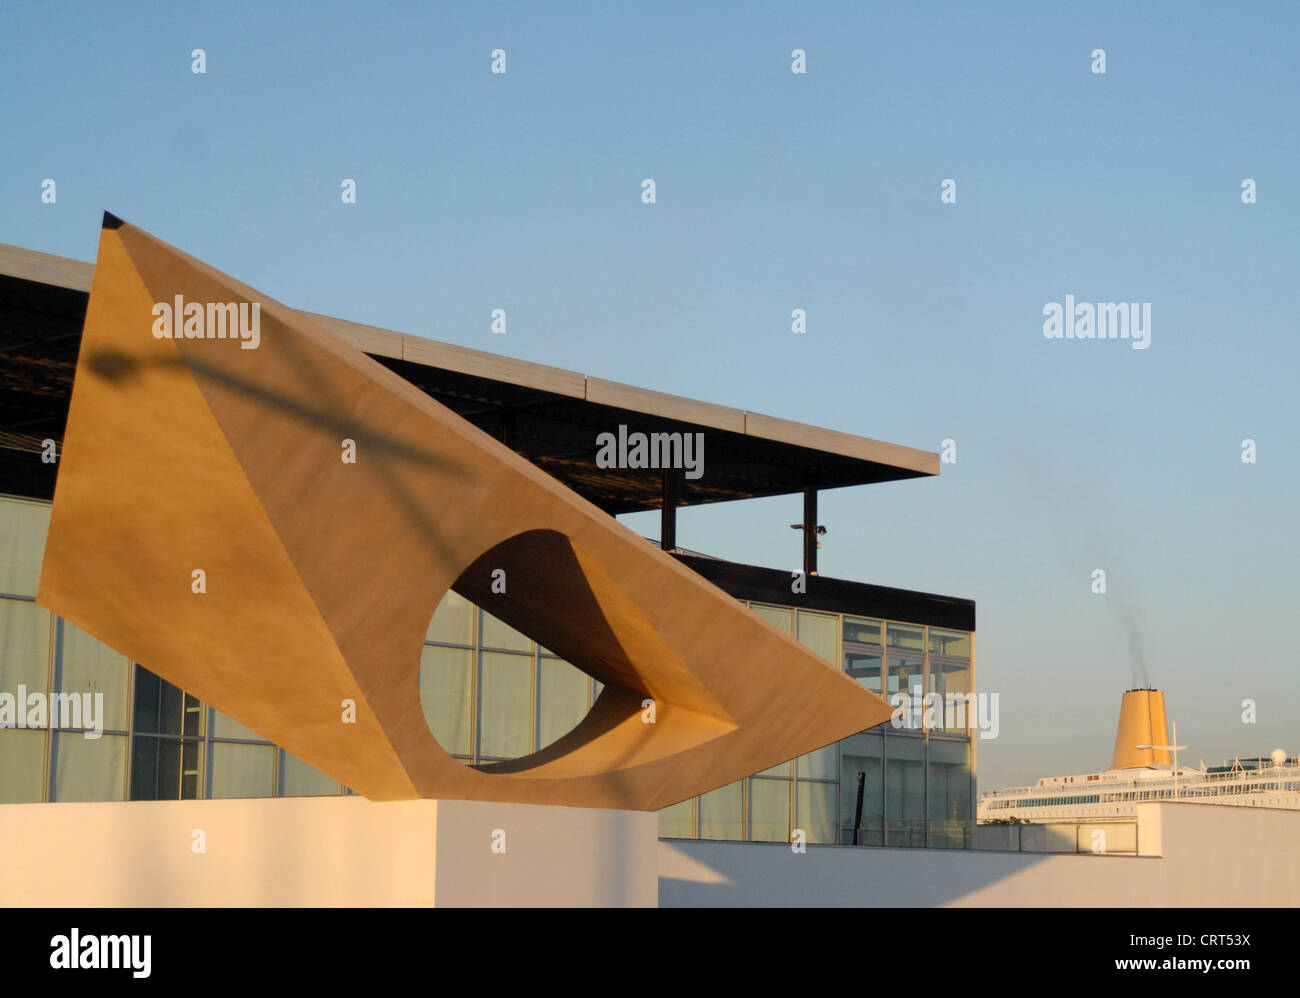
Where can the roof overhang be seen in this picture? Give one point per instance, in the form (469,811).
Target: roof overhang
(549,415)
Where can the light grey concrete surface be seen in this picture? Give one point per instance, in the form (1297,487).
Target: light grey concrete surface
(1191,855)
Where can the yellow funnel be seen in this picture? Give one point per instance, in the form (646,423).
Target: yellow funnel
(1141,722)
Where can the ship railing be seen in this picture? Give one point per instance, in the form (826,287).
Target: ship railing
(1241,781)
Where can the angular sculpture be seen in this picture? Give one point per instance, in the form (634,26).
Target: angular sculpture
(187,452)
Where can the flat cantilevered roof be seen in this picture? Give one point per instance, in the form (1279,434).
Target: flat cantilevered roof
(549,415)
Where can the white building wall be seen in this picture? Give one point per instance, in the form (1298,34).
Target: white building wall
(324,852)
(1191,855)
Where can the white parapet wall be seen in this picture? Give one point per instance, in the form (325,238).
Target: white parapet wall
(347,851)
(326,852)
(1189,855)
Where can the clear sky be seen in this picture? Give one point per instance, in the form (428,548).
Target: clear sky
(777,191)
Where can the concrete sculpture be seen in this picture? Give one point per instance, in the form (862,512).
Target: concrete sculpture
(207,524)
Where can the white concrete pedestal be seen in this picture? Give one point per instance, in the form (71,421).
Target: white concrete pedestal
(325,851)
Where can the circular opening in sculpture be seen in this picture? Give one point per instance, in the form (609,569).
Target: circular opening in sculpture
(492,694)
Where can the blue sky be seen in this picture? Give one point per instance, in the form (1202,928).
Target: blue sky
(778,191)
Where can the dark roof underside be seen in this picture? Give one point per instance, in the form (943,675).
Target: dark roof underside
(40,333)
(558,434)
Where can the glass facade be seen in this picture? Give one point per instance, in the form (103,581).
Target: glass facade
(489,693)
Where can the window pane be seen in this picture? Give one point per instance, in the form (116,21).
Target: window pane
(862,653)
(90,666)
(905,777)
(953,643)
(871,833)
(297,779)
(22,766)
(862,631)
(453,621)
(242,770)
(562,698)
(817,633)
(905,834)
(24,647)
(446,694)
(780,616)
(506,730)
(862,754)
(497,634)
(228,727)
(678,821)
(948,676)
(161,708)
(89,769)
(905,783)
(722,813)
(950,796)
(817,811)
(192,717)
(950,679)
(784,769)
(23,526)
(820,763)
(863,664)
(164,768)
(905,636)
(769,810)
(906,672)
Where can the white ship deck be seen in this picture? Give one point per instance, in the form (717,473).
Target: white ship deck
(1116,793)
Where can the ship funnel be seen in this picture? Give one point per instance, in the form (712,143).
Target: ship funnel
(1141,722)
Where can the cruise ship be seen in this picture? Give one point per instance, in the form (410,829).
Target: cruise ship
(1141,771)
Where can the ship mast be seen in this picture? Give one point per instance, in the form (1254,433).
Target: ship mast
(1169,748)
